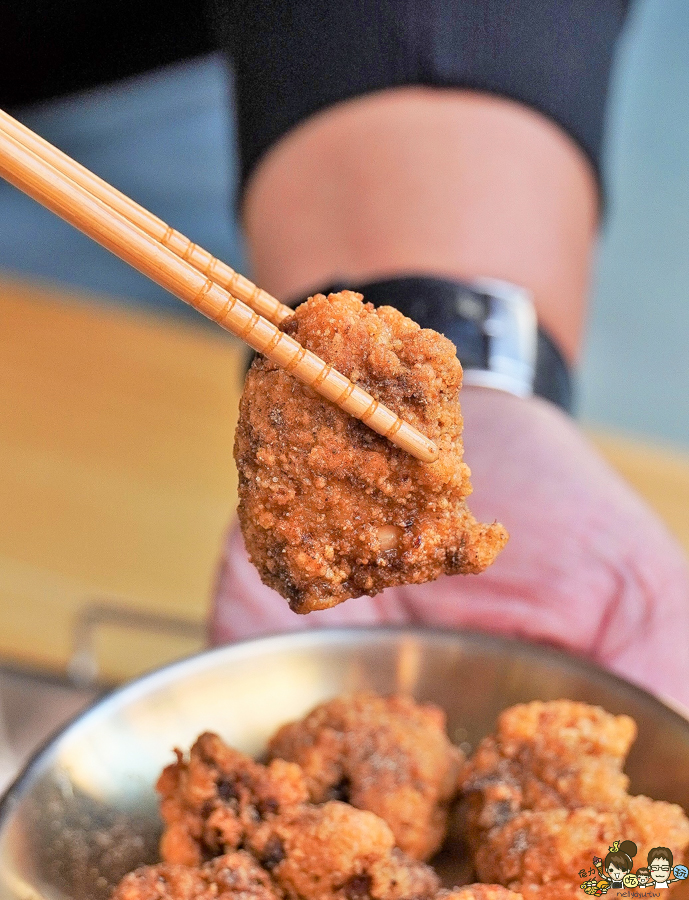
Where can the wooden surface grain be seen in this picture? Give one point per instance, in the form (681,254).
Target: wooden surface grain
(117,480)
(116,472)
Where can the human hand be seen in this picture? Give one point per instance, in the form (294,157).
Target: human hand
(588,567)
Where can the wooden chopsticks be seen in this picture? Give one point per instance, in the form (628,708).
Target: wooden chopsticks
(187,271)
(237,285)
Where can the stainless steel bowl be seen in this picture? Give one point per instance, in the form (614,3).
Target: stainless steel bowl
(84,810)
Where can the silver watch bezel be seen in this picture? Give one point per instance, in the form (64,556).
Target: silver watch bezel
(511,329)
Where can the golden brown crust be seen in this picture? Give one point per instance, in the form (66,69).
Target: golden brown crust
(548,755)
(336,851)
(547,795)
(387,755)
(329,509)
(548,847)
(234,876)
(218,799)
(212,801)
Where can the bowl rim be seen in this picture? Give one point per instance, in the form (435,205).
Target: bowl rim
(485,640)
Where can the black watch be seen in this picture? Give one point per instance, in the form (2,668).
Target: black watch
(491,322)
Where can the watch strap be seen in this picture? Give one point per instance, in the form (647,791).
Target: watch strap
(492,325)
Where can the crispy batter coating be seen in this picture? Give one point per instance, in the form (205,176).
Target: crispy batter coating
(548,755)
(547,794)
(329,509)
(235,876)
(549,847)
(213,800)
(387,755)
(339,852)
(479,892)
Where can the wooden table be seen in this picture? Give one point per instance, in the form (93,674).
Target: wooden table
(116,472)
(117,480)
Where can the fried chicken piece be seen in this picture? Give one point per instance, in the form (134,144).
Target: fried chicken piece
(479,892)
(337,852)
(211,802)
(388,755)
(547,848)
(547,794)
(235,876)
(329,509)
(548,755)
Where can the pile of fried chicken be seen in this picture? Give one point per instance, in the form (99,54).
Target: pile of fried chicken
(353,800)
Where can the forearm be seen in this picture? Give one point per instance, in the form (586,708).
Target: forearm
(352,171)
(428,181)
(377,140)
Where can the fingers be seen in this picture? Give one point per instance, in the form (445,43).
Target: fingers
(588,566)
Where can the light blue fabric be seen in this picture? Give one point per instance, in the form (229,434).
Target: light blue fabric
(165,139)
(635,374)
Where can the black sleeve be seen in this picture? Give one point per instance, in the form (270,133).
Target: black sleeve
(295,57)
(54,47)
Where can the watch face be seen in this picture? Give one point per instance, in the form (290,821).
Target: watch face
(472,305)
(510,333)
(492,323)
(464,326)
